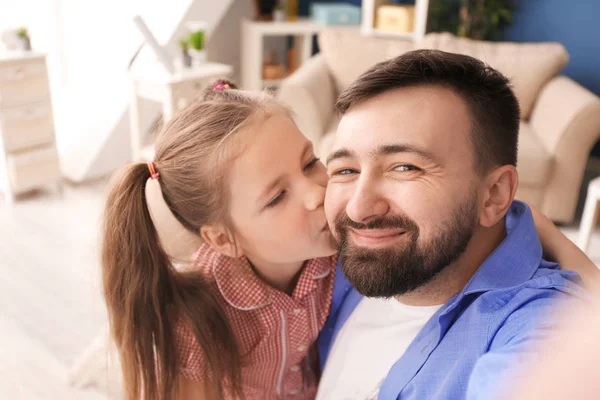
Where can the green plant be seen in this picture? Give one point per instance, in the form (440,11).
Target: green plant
(196,40)
(23,33)
(476,19)
(184,44)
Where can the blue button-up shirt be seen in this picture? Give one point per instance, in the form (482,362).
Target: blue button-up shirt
(469,348)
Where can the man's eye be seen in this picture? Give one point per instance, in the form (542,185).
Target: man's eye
(346,171)
(277,199)
(406,168)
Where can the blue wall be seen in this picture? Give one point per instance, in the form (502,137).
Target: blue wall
(575,24)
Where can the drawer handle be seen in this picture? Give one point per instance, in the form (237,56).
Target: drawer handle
(30,113)
(20,73)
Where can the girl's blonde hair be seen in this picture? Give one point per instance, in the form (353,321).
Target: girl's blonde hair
(145,296)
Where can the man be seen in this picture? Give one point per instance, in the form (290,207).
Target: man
(420,199)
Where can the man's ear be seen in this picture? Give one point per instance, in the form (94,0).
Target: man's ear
(220,240)
(500,187)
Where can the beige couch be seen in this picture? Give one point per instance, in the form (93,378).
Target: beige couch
(560,119)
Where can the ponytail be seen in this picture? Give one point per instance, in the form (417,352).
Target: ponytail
(146,298)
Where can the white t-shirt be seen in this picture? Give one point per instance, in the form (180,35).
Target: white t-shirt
(374,337)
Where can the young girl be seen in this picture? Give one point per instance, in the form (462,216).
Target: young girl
(234,170)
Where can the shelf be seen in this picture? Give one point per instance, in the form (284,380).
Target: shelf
(369,13)
(386,34)
(303,26)
(156,74)
(271,82)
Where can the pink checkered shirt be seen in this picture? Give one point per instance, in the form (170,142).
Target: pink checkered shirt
(276,332)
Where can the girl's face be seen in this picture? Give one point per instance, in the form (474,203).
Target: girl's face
(277,191)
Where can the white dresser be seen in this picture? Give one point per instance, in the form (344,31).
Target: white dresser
(28,155)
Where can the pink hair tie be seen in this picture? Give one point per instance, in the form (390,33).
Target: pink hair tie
(153,173)
(220,86)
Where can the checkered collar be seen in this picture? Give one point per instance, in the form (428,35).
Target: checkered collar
(243,290)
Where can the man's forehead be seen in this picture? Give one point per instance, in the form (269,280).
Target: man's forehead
(425,117)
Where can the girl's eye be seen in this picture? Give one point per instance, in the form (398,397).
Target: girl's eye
(406,168)
(277,199)
(312,163)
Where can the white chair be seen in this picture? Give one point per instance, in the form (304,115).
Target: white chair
(590,214)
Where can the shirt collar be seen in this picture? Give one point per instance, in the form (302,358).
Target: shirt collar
(243,290)
(516,259)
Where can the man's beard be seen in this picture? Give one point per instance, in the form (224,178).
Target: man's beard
(402,268)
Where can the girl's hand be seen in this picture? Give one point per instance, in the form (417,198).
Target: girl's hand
(557,247)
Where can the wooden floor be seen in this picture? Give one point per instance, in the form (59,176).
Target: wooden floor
(50,302)
(51,308)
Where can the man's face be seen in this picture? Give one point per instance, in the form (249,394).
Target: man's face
(402,196)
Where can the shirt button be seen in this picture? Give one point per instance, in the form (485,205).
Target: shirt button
(297,311)
(295,368)
(301,348)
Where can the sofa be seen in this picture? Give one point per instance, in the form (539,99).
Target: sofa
(560,121)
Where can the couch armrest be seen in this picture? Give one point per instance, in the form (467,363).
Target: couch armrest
(566,118)
(310,93)
(566,112)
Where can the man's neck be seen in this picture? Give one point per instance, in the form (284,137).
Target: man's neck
(454,278)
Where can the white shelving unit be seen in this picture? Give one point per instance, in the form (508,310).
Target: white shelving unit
(369,11)
(172,91)
(252,47)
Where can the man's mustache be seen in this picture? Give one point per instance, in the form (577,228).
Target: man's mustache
(391,222)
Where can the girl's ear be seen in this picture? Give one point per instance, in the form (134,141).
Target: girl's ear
(220,240)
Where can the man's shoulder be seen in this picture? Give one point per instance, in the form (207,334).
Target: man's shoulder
(535,305)
(548,281)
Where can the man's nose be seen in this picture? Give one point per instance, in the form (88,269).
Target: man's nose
(366,203)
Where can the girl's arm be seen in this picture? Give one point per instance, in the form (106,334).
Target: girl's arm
(557,247)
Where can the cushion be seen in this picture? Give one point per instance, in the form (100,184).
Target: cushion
(528,65)
(326,143)
(348,54)
(534,163)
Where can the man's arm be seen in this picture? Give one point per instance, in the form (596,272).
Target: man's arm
(568,370)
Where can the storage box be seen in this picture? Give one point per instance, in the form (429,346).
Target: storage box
(335,13)
(398,19)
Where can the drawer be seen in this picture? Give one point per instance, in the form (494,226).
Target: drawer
(26,126)
(28,170)
(22,83)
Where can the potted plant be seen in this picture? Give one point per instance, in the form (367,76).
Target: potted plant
(197,42)
(23,35)
(475,19)
(186,59)
(279,12)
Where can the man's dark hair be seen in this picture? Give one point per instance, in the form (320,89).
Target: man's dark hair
(493,106)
